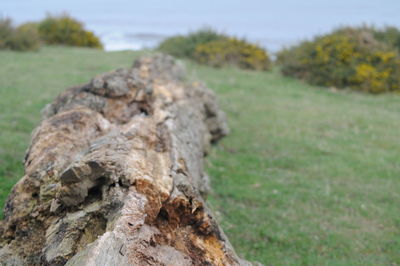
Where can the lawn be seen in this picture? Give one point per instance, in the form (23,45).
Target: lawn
(308,175)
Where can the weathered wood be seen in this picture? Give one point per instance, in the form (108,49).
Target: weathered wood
(114,175)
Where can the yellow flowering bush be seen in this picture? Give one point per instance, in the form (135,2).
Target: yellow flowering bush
(65,30)
(348,57)
(185,45)
(207,46)
(232,51)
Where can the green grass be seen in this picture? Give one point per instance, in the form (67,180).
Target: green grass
(308,176)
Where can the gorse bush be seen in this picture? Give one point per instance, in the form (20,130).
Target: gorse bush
(22,38)
(209,47)
(65,30)
(62,30)
(232,51)
(348,57)
(185,46)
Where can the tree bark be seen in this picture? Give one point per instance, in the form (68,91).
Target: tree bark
(114,175)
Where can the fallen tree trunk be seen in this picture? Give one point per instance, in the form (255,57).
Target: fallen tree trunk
(114,175)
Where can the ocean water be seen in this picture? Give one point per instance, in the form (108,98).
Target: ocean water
(124,24)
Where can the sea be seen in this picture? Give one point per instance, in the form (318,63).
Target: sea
(132,24)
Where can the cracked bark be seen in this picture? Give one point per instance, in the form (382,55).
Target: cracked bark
(114,175)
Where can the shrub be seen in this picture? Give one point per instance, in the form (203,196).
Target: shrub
(30,26)
(348,57)
(25,37)
(389,35)
(22,38)
(65,30)
(185,46)
(6,30)
(232,51)
(209,47)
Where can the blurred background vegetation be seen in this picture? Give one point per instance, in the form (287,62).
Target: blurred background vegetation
(207,46)
(364,58)
(53,30)
(361,58)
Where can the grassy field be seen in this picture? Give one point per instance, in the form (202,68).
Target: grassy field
(308,176)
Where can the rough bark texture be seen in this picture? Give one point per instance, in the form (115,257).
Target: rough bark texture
(114,175)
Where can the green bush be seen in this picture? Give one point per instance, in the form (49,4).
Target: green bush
(209,47)
(6,30)
(26,37)
(65,30)
(185,46)
(232,51)
(348,57)
(389,35)
(22,38)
